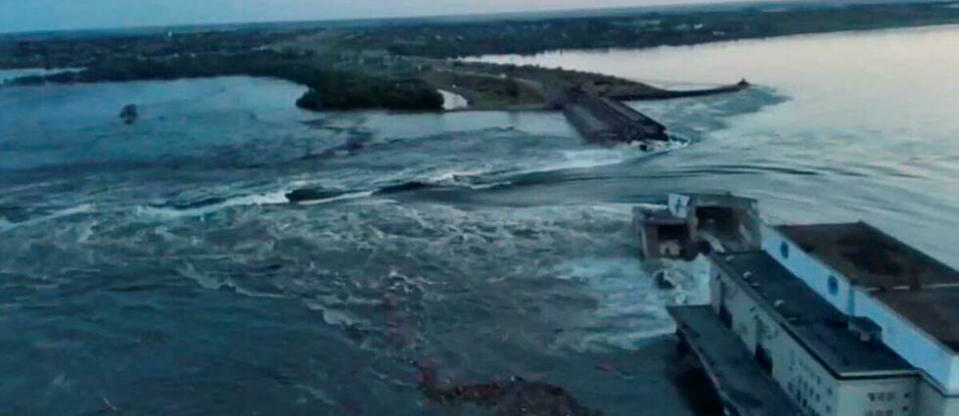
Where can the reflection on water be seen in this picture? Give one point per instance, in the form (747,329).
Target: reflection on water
(870,116)
(158,268)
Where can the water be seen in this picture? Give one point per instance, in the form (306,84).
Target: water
(11,74)
(867,128)
(156,268)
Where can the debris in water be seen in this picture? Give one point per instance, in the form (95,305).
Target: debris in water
(514,397)
(130,113)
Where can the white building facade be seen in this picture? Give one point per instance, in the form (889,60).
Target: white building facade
(825,258)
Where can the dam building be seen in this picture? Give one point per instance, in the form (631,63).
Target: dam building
(822,320)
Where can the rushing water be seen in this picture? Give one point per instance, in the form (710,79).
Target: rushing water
(156,268)
(11,74)
(868,128)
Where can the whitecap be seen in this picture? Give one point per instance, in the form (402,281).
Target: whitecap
(343,197)
(271,198)
(212,283)
(6,225)
(631,308)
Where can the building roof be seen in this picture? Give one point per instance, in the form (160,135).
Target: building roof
(918,287)
(817,325)
(936,311)
(868,256)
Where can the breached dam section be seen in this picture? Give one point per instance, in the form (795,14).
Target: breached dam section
(609,121)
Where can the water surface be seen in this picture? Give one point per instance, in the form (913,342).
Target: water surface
(156,268)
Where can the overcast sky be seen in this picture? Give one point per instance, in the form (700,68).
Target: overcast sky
(29,15)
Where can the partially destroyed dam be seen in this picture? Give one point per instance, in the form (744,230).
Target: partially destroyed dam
(603,118)
(606,120)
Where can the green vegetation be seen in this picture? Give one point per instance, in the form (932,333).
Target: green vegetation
(329,89)
(486,91)
(399,64)
(640,29)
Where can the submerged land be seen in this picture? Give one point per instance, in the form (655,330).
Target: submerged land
(400,64)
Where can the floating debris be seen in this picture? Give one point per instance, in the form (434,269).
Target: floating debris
(130,113)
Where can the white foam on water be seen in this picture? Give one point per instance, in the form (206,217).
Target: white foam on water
(581,159)
(85,231)
(79,209)
(631,307)
(337,316)
(212,283)
(462,178)
(592,158)
(11,74)
(651,207)
(344,197)
(271,198)
(453,175)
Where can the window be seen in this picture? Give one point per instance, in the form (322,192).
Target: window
(833,285)
(784,250)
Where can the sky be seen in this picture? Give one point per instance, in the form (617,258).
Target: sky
(35,15)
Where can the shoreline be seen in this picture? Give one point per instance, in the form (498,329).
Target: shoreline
(410,78)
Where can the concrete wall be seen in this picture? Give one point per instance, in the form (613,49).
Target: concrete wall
(889,397)
(812,271)
(802,377)
(912,344)
(799,374)
(933,403)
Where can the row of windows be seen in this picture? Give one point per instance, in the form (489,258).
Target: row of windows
(887,396)
(887,412)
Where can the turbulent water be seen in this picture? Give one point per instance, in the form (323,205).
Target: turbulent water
(156,268)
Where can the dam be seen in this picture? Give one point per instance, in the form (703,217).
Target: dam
(820,319)
(609,121)
(601,117)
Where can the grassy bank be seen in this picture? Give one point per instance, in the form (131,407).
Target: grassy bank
(329,89)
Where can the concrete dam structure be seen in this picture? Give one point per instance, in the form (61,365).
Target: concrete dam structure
(609,121)
(602,117)
(822,319)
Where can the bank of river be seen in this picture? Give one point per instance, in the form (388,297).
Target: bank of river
(137,258)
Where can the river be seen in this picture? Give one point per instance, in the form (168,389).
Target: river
(156,268)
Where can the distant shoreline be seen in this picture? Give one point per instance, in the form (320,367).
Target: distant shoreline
(530,15)
(404,66)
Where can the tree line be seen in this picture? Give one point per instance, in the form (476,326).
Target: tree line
(329,89)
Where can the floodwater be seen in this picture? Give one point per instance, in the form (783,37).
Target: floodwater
(156,268)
